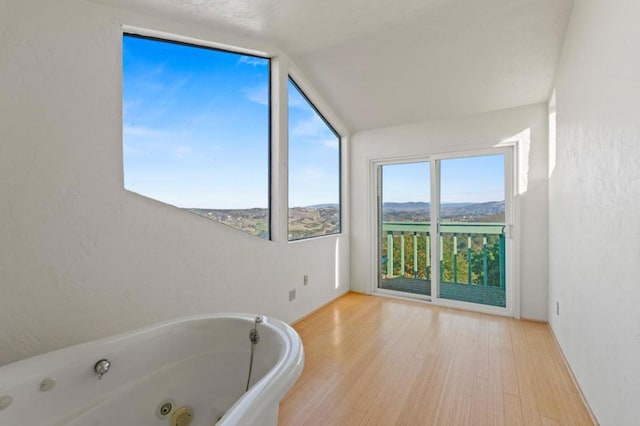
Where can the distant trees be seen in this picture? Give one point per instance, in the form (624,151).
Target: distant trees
(304,222)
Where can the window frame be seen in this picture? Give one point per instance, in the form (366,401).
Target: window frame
(135,33)
(335,132)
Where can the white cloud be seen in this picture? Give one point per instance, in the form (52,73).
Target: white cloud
(312,126)
(129,104)
(146,131)
(258,94)
(130,151)
(140,140)
(152,79)
(329,143)
(180,152)
(296,100)
(252,60)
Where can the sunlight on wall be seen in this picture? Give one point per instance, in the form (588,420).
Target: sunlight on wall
(337,265)
(552,133)
(522,141)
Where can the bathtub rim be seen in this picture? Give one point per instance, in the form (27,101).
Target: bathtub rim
(264,393)
(268,391)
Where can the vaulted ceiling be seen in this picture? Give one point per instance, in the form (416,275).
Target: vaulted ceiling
(387,62)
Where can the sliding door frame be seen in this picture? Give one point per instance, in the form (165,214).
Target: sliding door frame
(511,220)
(377,168)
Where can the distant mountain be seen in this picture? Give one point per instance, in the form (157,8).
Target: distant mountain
(311,221)
(303,221)
(409,206)
(464,212)
(472,209)
(254,221)
(323,219)
(320,206)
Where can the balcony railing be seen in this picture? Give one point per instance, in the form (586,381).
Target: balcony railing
(471,254)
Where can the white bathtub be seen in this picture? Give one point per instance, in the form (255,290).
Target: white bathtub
(200,363)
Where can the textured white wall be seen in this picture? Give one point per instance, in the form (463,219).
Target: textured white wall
(451,135)
(594,200)
(81,258)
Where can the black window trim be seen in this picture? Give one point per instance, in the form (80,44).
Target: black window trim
(270,112)
(335,132)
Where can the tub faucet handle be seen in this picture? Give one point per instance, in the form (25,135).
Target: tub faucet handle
(102,367)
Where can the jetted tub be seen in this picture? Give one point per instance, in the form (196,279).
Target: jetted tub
(187,371)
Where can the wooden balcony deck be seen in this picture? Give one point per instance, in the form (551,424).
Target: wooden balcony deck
(486,295)
(407,285)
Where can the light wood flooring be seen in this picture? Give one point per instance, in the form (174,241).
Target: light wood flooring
(380,361)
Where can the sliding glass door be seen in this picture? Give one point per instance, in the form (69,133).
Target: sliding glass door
(472,255)
(405,243)
(442,229)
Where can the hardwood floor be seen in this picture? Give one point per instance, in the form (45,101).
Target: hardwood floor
(378,361)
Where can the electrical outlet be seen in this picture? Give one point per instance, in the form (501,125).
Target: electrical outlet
(557,308)
(305,280)
(292,295)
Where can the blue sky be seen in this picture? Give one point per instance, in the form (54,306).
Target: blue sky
(472,179)
(196,125)
(406,182)
(314,158)
(196,130)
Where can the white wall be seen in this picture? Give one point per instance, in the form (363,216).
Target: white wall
(81,258)
(594,200)
(528,124)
